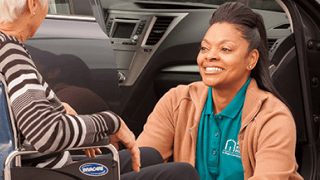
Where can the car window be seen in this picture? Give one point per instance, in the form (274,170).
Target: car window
(59,7)
(70,7)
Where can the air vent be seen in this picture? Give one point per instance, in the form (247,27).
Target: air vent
(159,28)
(271,42)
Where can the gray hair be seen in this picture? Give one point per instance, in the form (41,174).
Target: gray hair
(11,9)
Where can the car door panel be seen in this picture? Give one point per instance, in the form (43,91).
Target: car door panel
(82,37)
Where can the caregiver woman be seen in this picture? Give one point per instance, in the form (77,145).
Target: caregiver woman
(232,124)
(50,126)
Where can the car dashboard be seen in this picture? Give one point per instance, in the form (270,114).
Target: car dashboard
(135,36)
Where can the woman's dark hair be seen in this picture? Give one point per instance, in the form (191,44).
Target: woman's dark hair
(252,27)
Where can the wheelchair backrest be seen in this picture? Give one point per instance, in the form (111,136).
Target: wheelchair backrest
(7,133)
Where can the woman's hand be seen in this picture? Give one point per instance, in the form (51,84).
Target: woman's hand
(90,153)
(69,109)
(125,136)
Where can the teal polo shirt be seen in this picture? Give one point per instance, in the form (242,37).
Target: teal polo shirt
(217,153)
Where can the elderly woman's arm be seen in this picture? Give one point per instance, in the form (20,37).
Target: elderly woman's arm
(123,134)
(91,152)
(40,115)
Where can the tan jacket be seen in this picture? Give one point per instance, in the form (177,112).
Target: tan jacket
(267,136)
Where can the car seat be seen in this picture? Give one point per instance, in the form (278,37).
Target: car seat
(11,150)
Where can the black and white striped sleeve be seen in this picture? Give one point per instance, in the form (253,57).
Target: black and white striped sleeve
(40,115)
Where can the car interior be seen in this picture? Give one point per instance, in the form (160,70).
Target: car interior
(152,46)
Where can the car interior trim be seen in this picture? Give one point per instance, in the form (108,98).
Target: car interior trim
(71,17)
(182,68)
(284,7)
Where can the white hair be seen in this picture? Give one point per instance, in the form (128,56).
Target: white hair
(11,9)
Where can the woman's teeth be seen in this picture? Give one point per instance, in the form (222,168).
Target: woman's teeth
(213,69)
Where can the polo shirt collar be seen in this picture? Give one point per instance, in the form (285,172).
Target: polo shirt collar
(209,106)
(236,104)
(233,107)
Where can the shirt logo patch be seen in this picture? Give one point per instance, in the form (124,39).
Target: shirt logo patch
(232,148)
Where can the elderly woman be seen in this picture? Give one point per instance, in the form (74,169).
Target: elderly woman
(50,126)
(232,124)
(40,116)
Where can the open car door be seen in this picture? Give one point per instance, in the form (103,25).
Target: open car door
(75,56)
(296,76)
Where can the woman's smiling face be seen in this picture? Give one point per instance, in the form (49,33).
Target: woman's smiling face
(223,60)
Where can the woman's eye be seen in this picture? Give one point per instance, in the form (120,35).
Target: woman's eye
(202,48)
(225,49)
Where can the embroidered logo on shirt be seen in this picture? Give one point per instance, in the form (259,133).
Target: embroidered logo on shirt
(232,148)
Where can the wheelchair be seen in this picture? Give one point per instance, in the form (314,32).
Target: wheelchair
(11,151)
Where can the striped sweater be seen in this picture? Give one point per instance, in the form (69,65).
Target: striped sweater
(39,114)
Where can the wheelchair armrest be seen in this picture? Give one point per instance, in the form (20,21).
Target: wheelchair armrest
(102,142)
(28,149)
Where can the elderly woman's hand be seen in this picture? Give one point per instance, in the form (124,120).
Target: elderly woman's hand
(125,136)
(69,109)
(91,152)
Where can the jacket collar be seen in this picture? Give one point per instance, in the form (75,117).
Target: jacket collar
(198,93)
(253,102)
